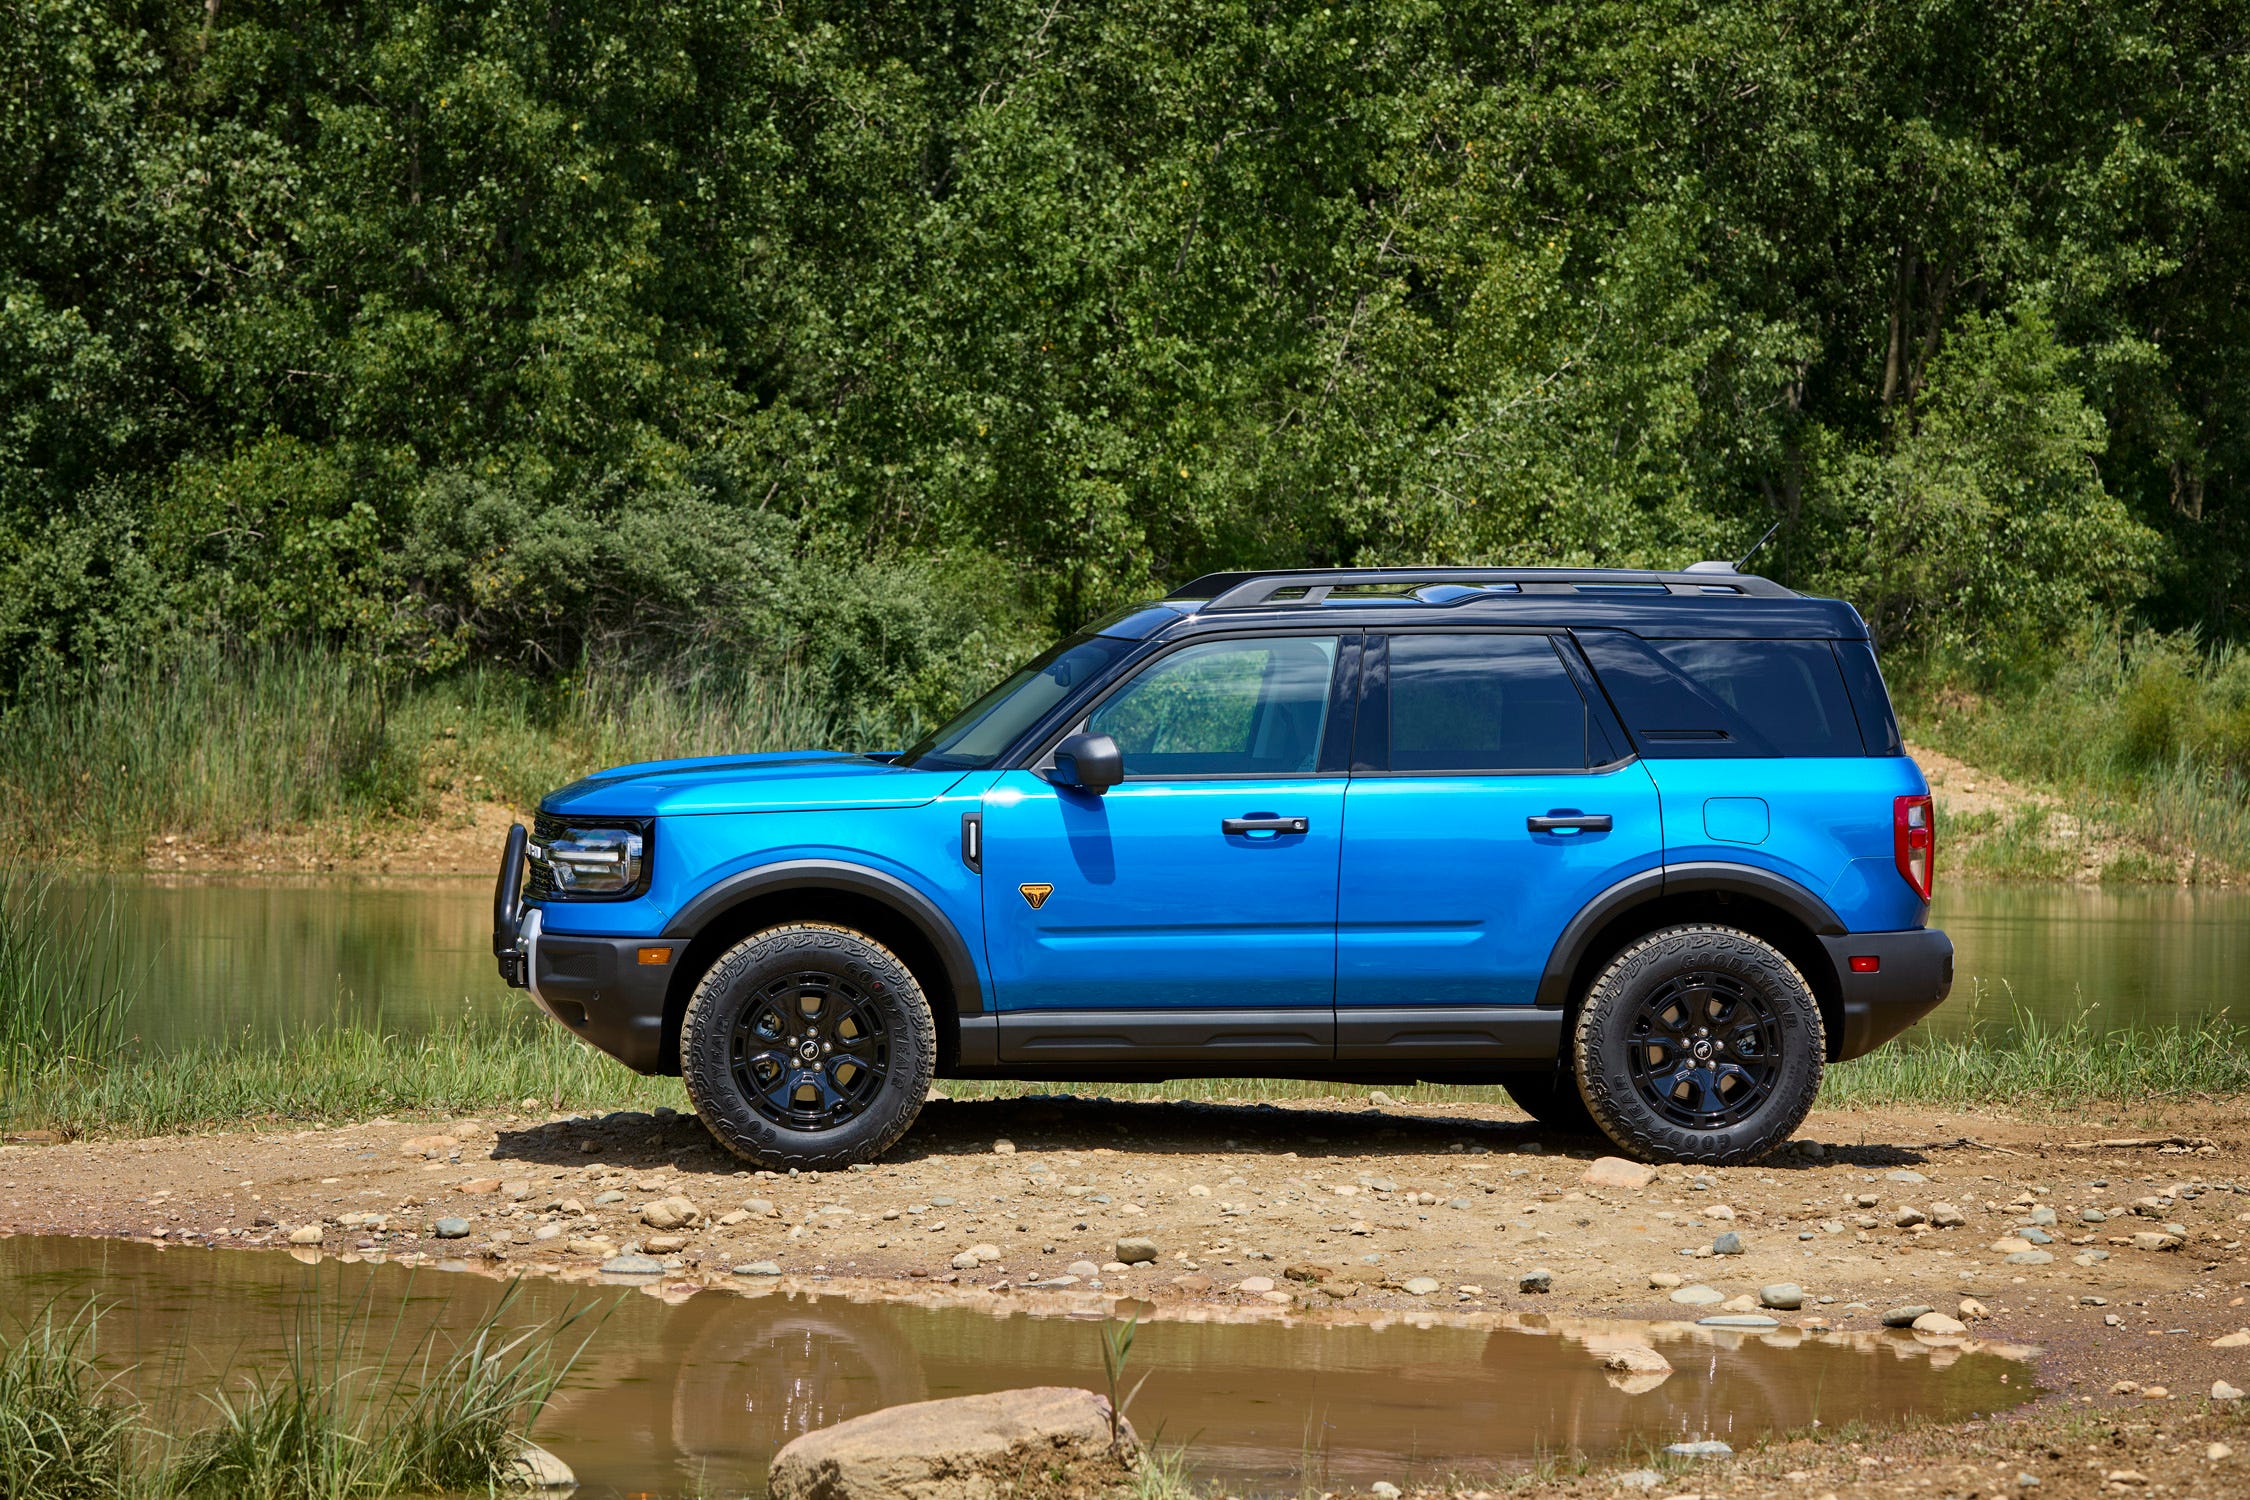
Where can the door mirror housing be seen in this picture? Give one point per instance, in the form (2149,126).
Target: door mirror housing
(1089,762)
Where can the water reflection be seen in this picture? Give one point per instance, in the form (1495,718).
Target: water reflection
(695,1394)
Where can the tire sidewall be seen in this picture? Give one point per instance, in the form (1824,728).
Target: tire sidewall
(1603,1042)
(735,981)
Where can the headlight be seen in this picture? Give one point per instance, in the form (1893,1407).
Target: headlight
(586,861)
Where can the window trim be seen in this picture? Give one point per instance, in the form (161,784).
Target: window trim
(1343,688)
(1375,708)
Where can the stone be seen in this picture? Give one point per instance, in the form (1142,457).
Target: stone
(1903,1317)
(1937,1322)
(2239,1339)
(532,1467)
(451,1229)
(757,1268)
(1617,1172)
(1308,1271)
(1635,1359)
(2032,1258)
(1003,1147)
(1383,1489)
(1084,1268)
(600,1249)
(2218,1453)
(2221,1391)
(427,1145)
(2151,1239)
(966,1261)
(605,1198)
(1904,1176)
(2031,1235)
(1745,1320)
(1136,1252)
(1710,1448)
(482,1187)
(1538,1279)
(671,1213)
(1946,1216)
(1664,1281)
(1908,1216)
(1697,1296)
(1784,1296)
(1639,1479)
(733,1217)
(948,1449)
(1419,1286)
(632,1265)
(1721,1212)
(665,1244)
(1729,1243)
(2043,1216)
(1973,1311)
(1255,1284)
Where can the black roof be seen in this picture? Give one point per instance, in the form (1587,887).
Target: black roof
(1708,600)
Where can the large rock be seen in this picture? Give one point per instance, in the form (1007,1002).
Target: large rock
(1617,1172)
(957,1449)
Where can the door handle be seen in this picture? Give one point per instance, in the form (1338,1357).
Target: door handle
(1568,822)
(1264,825)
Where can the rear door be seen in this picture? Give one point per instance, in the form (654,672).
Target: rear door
(1193,908)
(1488,804)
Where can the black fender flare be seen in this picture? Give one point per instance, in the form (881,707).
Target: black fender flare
(792,875)
(1694,877)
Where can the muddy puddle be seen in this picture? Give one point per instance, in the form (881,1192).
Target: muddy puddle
(691,1395)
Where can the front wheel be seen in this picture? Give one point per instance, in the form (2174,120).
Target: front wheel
(808,1046)
(1700,1045)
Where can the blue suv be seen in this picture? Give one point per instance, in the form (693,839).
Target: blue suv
(1641,848)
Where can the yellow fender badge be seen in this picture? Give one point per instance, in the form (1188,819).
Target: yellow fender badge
(1036,893)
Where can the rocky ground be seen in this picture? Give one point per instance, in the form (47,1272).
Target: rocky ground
(2120,1256)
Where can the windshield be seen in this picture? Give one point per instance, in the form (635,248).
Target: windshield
(981,733)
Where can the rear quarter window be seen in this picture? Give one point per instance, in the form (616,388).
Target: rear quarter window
(1791,693)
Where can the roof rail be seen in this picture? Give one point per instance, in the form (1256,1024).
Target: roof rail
(1312,586)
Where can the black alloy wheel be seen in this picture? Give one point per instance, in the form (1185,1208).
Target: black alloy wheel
(810,1051)
(808,1046)
(1706,1050)
(1699,1044)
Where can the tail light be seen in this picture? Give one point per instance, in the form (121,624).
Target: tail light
(1914,842)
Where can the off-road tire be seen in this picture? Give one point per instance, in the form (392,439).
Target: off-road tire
(805,957)
(1551,1097)
(1613,1044)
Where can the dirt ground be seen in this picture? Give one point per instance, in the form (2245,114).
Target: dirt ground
(1346,1210)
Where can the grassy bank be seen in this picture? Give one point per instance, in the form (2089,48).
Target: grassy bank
(352,1413)
(524,1064)
(2138,744)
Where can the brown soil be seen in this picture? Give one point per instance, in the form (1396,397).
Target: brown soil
(463,838)
(1340,1207)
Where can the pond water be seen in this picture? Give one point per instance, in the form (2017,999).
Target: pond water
(277,954)
(693,1396)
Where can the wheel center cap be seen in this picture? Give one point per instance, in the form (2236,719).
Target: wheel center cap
(1703,1051)
(808,1049)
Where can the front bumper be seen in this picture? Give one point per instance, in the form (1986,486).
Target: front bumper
(1913,977)
(603,989)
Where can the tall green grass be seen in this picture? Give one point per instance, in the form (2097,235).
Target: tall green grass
(66,1428)
(351,1417)
(62,1000)
(486,1060)
(223,744)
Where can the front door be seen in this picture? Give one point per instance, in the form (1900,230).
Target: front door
(1192,909)
(1490,811)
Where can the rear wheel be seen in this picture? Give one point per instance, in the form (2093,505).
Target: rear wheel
(808,1046)
(1552,1098)
(1700,1044)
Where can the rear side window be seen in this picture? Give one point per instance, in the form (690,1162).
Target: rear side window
(1878,726)
(1483,703)
(1790,692)
(1719,698)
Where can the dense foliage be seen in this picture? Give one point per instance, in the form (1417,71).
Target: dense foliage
(883,335)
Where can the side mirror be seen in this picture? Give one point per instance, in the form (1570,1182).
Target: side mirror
(1089,762)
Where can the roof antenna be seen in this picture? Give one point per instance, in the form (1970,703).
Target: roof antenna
(1754,546)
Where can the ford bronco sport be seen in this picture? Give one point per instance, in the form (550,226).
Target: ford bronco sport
(1641,848)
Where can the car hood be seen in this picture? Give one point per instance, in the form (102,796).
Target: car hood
(788,781)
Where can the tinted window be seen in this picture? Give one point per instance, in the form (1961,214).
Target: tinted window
(1475,703)
(1232,707)
(1878,726)
(1790,692)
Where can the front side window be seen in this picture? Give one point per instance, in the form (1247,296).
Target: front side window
(981,733)
(1254,707)
(1476,704)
